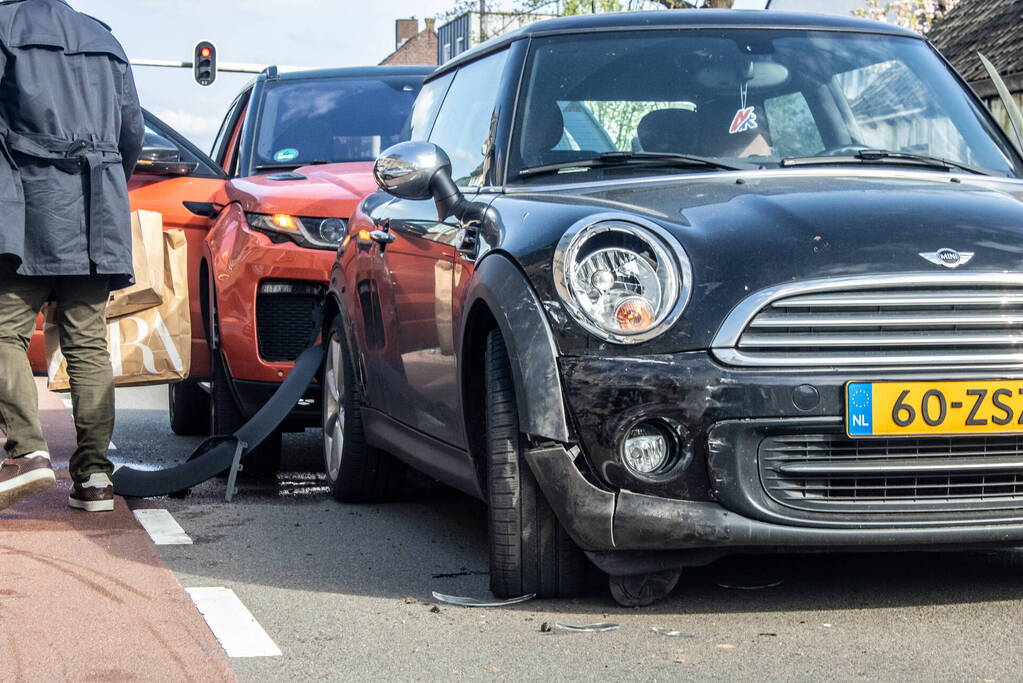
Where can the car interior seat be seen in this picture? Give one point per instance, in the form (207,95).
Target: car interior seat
(546,127)
(675,131)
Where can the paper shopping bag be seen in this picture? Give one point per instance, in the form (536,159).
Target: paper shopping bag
(148,262)
(152,346)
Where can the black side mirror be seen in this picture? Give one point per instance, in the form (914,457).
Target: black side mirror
(418,170)
(160,156)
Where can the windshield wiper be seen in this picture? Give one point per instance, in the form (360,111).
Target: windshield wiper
(288,165)
(872,155)
(611,159)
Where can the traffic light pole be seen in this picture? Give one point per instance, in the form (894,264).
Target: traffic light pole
(229,67)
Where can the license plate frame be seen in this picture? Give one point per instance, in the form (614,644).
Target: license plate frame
(860,419)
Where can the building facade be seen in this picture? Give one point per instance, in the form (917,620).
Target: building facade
(995,29)
(471,28)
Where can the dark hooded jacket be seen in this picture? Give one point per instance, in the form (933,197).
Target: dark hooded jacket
(71,131)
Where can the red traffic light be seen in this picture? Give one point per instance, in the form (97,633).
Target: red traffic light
(204,64)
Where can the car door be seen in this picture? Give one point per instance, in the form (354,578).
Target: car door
(412,277)
(171,171)
(416,372)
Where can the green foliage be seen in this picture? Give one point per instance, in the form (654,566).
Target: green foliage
(570,7)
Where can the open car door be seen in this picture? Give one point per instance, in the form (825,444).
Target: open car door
(170,172)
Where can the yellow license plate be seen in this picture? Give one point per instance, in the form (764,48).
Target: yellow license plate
(933,408)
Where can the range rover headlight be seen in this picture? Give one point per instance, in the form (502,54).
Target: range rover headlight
(315,233)
(625,281)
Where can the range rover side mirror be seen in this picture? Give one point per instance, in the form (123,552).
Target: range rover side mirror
(418,170)
(160,156)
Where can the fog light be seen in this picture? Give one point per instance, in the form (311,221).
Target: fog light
(647,448)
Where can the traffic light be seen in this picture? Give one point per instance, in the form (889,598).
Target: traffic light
(204,65)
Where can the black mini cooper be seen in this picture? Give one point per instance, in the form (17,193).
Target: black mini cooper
(660,287)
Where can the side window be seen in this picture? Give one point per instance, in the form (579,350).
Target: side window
(163,144)
(227,134)
(794,132)
(231,154)
(427,105)
(465,124)
(225,131)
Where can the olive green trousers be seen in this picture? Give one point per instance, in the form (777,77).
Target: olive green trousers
(81,306)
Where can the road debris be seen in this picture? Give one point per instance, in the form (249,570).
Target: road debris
(588,628)
(492,669)
(725,646)
(771,635)
(410,600)
(475,602)
(672,634)
(750,585)
(462,572)
(434,609)
(545,627)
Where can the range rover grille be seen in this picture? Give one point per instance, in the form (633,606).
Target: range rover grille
(833,473)
(284,317)
(929,323)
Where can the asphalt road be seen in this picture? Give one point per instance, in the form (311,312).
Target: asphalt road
(345,592)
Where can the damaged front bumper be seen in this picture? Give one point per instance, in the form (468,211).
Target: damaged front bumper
(629,533)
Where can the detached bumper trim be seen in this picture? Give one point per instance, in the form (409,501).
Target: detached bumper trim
(600,520)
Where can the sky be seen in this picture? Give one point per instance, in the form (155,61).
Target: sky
(313,33)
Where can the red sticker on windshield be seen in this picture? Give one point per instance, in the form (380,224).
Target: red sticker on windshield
(745,119)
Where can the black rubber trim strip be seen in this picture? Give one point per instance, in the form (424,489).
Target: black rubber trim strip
(215,454)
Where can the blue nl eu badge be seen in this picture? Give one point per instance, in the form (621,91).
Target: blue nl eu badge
(859,401)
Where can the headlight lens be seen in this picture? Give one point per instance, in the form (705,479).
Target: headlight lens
(316,233)
(623,281)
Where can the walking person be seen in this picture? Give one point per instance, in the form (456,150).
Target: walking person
(71,131)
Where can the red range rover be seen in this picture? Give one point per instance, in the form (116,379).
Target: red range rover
(264,215)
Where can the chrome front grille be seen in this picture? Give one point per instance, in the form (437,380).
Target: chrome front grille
(833,473)
(962,319)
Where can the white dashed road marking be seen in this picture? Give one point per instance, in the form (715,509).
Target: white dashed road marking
(162,527)
(233,625)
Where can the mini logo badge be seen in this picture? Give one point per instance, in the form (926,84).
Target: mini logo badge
(950,258)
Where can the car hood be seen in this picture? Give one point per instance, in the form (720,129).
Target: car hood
(322,190)
(747,232)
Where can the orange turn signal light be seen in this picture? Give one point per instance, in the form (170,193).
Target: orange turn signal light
(634,315)
(284,221)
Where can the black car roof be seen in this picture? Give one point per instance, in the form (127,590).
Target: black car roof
(704,18)
(355,72)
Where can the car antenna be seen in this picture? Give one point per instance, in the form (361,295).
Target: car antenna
(271,72)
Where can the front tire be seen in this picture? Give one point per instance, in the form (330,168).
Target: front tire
(225,418)
(530,552)
(188,407)
(356,472)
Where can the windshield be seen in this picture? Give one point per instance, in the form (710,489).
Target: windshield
(314,120)
(742,97)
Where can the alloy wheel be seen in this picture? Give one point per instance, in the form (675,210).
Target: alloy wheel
(333,409)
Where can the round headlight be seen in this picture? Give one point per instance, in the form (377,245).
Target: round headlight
(623,280)
(332,230)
